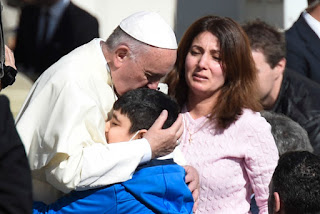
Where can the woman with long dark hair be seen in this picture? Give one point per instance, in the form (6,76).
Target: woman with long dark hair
(225,138)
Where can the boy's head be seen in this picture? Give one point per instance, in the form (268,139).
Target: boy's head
(295,184)
(136,111)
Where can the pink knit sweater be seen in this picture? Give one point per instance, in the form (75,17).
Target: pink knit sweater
(231,164)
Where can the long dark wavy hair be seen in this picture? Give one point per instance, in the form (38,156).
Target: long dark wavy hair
(239,90)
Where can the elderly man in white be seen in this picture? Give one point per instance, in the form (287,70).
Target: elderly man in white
(62,122)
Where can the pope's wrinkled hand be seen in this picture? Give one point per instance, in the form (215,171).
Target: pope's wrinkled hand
(163,141)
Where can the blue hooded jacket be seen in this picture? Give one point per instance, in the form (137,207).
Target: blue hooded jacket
(156,187)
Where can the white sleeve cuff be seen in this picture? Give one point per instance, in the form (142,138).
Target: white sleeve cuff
(148,153)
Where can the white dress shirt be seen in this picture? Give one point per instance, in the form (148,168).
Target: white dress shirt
(312,22)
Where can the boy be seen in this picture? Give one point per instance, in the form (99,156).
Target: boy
(295,185)
(156,187)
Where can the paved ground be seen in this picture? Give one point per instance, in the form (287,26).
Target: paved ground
(18,92)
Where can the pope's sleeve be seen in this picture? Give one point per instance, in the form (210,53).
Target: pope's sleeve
(69,141)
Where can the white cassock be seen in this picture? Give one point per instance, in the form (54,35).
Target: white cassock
(62,126)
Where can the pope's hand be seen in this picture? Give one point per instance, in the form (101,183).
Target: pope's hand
(163,141)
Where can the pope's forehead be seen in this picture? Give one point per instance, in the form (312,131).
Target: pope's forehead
(159,60)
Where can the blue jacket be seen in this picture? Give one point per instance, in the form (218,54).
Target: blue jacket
(153,188)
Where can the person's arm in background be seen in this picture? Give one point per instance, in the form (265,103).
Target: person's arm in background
(15,176)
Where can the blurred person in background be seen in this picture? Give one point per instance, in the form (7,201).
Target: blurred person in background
(48,30)
(282,90)
(288,134)
(303,43)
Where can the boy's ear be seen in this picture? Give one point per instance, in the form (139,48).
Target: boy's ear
(277,203)
(141,133)
(120,55)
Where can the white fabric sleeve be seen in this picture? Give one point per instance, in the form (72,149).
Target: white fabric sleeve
(177,156)
(103,165)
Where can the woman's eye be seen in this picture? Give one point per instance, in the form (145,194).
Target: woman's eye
(194,52)
(216,58)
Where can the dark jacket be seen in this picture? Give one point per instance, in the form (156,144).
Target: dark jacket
(299,99)
(75,28)
(15,175)
(153,189)
(303,50)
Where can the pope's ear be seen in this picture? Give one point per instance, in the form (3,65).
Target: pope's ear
(141,133)
(120,55)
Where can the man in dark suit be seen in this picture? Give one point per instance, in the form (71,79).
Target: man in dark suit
(303,43)
(48,30)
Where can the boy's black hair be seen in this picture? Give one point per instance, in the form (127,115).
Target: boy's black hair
(297,180)
(143,106)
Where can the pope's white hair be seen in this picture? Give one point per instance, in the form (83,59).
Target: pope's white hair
(119,37)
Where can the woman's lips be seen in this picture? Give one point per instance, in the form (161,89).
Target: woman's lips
(199,77)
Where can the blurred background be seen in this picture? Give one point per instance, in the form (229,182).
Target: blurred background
(178,13)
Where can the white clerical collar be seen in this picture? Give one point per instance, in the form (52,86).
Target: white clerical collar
(110,81)
(312,22)
(101,55)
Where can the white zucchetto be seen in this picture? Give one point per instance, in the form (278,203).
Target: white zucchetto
(150,28)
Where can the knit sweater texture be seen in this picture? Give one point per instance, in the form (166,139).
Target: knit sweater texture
(232,163)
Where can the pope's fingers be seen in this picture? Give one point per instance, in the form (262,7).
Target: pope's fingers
(178,123)
(180,130)
(160,120)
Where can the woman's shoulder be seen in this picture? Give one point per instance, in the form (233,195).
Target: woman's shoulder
(252,119)
(254,128)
